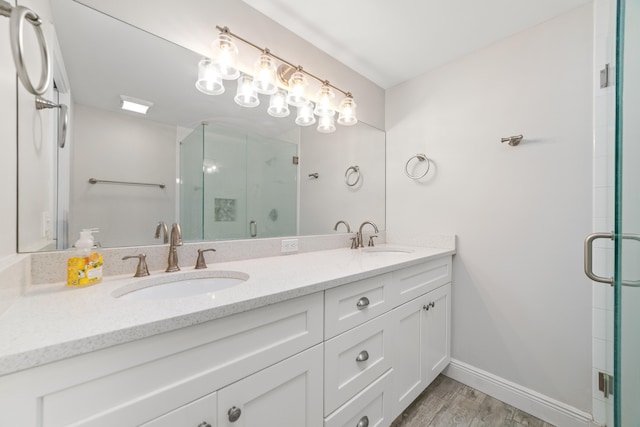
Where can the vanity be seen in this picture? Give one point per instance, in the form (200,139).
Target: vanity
(336,338)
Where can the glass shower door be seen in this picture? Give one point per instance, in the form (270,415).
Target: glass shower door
(627,219)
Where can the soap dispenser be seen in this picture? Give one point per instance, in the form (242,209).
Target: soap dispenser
(85,267)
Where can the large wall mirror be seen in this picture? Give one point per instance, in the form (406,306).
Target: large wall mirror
(223,171)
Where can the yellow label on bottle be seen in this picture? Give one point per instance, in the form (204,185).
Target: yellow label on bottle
(84,271)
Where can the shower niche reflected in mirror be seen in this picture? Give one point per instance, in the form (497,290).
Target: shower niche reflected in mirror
(237,185)
(239,181)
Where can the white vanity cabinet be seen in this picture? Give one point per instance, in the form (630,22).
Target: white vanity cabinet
(381,354)
(354,355)
(180,375)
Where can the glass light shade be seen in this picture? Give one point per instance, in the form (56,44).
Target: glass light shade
(325,105)
(278,104)
(225,54)
(326,124)
(297,87)
(347,115)
(305,115)
(264,75)
(246,95)
(209,81)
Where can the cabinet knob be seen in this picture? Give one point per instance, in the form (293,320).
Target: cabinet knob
(362,303)
(429,305)
(204,424)
(362,356)
(364,422)
(234,414)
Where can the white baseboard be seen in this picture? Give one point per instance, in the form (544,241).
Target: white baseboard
(534,403)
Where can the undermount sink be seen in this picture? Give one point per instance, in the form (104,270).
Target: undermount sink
(180,285)
(375,250)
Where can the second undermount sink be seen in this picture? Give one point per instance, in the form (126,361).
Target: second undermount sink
(179,285)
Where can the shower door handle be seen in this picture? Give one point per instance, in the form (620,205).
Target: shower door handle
(588,258)
(253,228)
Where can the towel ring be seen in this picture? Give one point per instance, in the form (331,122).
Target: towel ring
(17,17)
(421,158)
(352,170)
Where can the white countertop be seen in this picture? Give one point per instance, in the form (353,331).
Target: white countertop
(53,322)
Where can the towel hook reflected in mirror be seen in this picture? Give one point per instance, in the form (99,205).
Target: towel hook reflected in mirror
(63,117)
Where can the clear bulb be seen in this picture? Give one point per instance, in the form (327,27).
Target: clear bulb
(278,104)
(246,96)
(297,87)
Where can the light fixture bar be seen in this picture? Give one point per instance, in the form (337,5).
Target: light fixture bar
(265,50)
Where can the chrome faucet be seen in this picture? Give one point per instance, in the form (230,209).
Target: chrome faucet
(359,234)
(335,227)
(176,240)
(162,227)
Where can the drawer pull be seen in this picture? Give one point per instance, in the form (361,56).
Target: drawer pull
(362,356)
(364,422)
(362,303)
(234,414)
(204,424)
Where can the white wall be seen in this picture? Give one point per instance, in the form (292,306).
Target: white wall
(7,142)
(121,147)
(521,300)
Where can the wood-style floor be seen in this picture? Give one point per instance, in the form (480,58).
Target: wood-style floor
(447,402)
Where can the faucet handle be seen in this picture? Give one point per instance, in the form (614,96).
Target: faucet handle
(371,240)
(354,242)
(162,227)
(142,269)
(200,263)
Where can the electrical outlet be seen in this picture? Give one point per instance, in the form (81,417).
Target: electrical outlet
(289,246)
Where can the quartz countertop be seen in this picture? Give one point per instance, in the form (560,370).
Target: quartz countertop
(51,322)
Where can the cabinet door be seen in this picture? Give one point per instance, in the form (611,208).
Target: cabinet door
(200,413)
(437,332)
(408,352)
(287,394)
(422,343)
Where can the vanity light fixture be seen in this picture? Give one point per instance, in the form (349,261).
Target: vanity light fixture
(287,85)
(135,105)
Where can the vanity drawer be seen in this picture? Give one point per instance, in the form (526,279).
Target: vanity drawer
(355,359)
(140,381)
(353,304)
(411,282)
(371,407)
